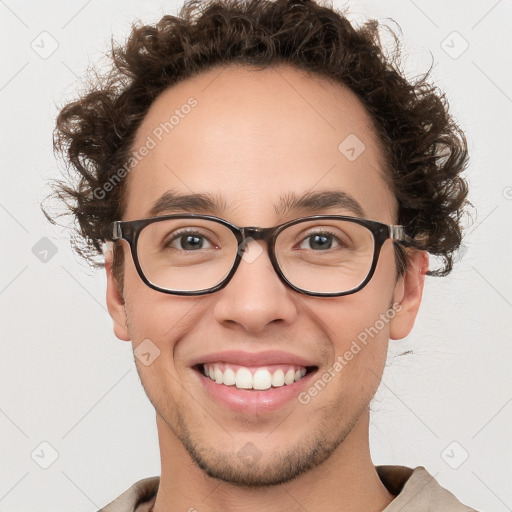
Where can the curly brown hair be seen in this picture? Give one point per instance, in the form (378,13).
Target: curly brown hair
(424,149)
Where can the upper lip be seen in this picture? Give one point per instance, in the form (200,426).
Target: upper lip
(242,358)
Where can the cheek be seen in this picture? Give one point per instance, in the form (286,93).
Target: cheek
(155,316)
(159,317)
(358,327)
(359,340)
(362,330)
(368,310)
(157,324)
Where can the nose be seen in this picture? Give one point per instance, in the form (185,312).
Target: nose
(255,296)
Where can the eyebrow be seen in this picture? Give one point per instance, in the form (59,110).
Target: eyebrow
(310,202)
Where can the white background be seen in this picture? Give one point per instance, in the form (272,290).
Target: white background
(67,381)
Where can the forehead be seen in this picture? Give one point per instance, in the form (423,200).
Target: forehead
(252,137)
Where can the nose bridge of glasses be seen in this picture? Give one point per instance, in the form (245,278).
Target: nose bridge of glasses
(255,233)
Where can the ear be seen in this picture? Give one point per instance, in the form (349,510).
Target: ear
(408,293)
(115,301)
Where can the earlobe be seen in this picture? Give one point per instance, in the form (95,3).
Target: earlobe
(115,301)
(408,293)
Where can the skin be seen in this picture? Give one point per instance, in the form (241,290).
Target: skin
(254,136)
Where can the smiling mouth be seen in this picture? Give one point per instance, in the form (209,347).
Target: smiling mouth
(254,378)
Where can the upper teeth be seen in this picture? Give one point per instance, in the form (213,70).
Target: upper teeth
(262,378)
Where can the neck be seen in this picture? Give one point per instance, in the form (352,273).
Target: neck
(347,481)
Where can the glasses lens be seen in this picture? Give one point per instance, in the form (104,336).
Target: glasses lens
(186,254)
(326,255)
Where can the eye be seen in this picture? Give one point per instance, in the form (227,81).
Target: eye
(187,240)
(323,240)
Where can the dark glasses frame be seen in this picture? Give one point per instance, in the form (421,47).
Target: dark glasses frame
(130,231)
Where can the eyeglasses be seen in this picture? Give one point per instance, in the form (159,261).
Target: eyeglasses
(321,255)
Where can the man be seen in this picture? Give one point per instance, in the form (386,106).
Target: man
(269,186)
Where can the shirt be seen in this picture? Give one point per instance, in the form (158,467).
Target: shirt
(415,490)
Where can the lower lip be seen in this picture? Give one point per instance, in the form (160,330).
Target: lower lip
(254,401)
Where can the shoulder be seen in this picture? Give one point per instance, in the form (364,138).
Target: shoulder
(132,500)
(417,490)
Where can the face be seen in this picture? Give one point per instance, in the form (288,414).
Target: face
(254,137)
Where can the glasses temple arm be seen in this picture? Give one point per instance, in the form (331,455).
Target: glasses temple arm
(114,231)
(398,234)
